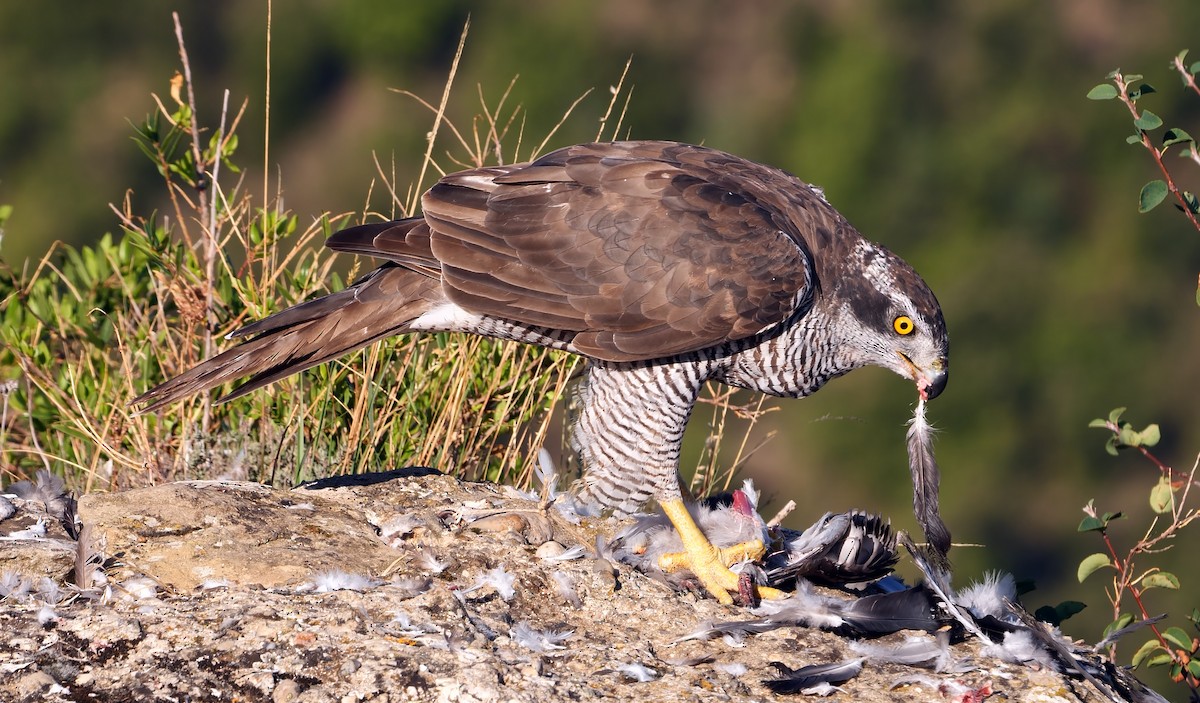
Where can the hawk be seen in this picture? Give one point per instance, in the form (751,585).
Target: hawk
(665,264)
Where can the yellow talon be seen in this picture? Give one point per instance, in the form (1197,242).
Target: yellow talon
(709,564)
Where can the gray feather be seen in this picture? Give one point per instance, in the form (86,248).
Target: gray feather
(925,478)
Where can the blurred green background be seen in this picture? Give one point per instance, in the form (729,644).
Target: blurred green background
(956,133)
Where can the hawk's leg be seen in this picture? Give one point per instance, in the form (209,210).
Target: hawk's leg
(628,434)
(709,564)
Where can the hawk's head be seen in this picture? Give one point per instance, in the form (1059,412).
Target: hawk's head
(899,324)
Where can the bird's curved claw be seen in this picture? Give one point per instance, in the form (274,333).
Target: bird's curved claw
(710,566)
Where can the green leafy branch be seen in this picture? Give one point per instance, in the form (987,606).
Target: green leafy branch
(1129,88)
(1171,646)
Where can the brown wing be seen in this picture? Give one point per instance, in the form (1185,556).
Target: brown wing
(644,249)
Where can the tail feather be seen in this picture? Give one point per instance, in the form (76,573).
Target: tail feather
(405,242)
(380,305)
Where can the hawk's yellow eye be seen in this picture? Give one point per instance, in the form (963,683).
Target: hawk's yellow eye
(903,325)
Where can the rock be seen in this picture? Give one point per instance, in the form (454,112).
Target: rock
(32,684)
(235,614)
(285,691)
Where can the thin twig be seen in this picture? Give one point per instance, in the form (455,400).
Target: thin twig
(33,430)
(194,123)
(441,110)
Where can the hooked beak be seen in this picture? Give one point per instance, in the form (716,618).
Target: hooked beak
(930,382)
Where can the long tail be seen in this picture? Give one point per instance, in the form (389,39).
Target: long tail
(379,305)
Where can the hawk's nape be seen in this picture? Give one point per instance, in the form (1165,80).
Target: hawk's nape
(666,264)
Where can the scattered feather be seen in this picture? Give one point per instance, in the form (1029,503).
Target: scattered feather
(734,669)
(1121,632)
(210,584)
(88,558)
(573,511)
(732,632)
(7,509)
(396,528)
(499,579)
(925,652)
(576,552)
(884,613)
(817,679)
(987,597)
(411,586)
(937,580)
(925,477)
(1081,661)
(139,587)
(824,690)
(502,581)
(12,585)
(547,475)
(34,531)
(46,614)
(51,492)
(638,672)
(564,583)
(751,493)
(337,580)
(48,591)
(430,564)
(540,641)
(46,488)
(1020,647)
(401,625)
(690,661)
(805,607)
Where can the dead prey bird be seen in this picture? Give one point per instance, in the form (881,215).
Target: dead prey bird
(665,264)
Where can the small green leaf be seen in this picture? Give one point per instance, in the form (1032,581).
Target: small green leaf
(1102,424)
(1148,121)
(1134,138)
(1057,614)
(1161,579)
(1150,647)
(1162,498)
(1163,657)
(1068,608)
(1091,563)
(1194,68)
(1115,415)
(1150,436)
(1104,91)
(1090,524)
(1117,624)
(1111,445)
(1178,637)
(1175,135)
(1193,668)
(1132,77)
(1143,89)
(1152,194)
(1193,203)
